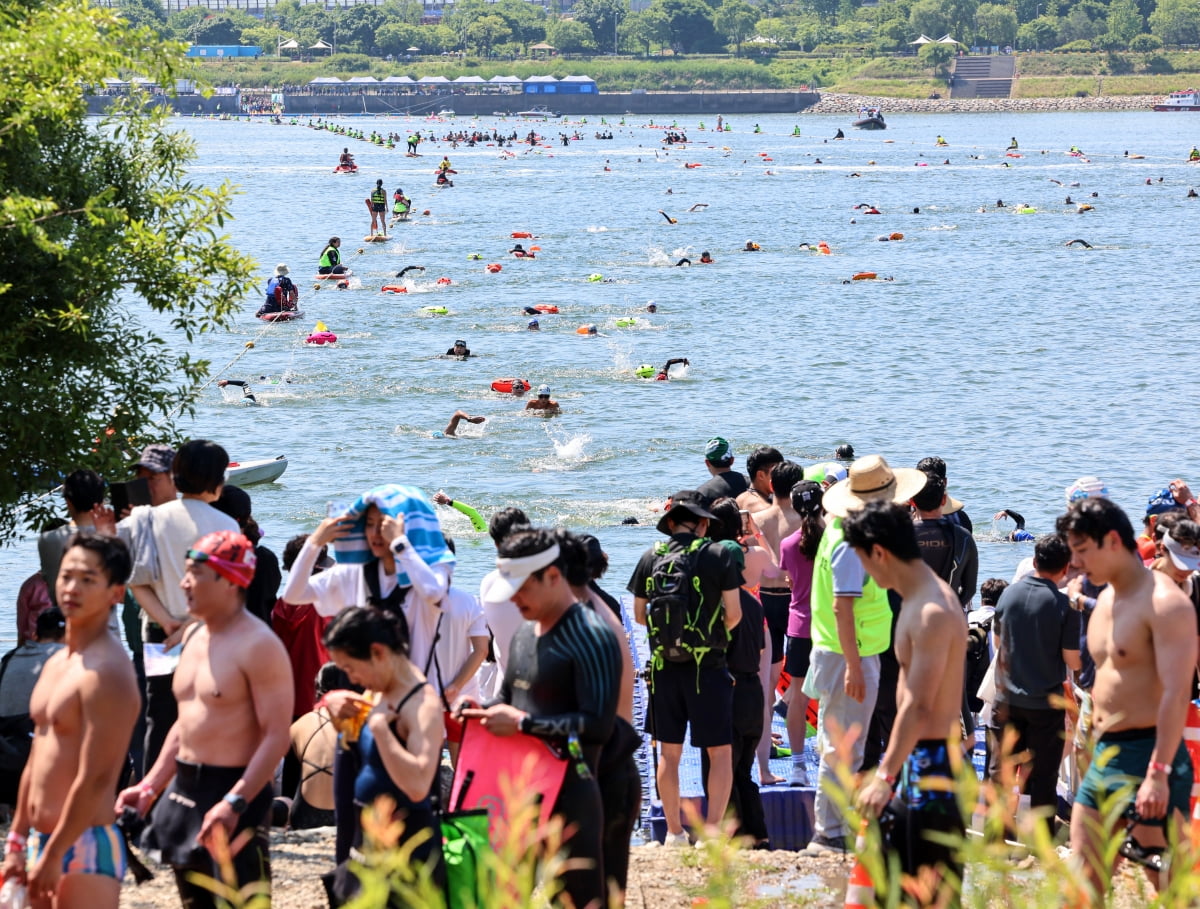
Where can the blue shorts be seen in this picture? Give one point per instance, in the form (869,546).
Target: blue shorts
(99,850)
(1128,758)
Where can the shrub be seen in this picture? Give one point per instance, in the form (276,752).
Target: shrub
(1080,46)
(1144,44)
(1158,64)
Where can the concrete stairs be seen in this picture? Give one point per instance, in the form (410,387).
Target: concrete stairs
(983,77)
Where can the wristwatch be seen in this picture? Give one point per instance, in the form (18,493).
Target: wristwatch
(236,802)
(399,545)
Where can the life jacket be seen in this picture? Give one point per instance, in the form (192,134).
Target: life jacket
(330,257)
(378,196)
(400,205)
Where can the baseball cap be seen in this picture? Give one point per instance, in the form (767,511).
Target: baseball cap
(230,554)
(157,458)
(1184,556)
(718,450)
(503,583)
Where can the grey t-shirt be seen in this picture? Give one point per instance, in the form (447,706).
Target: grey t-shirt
(21,674)
(1036,624)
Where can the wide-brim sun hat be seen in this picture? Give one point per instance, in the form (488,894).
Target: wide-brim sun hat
(871,479)
(280,269)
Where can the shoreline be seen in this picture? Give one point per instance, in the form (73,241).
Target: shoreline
(840,103)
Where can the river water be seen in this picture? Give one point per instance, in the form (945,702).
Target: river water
(1024,363)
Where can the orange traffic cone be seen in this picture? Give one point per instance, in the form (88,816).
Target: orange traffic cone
(860,890)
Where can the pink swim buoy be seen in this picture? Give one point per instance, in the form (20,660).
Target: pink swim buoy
(321,337)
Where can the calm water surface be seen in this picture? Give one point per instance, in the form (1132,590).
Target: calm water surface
(1023,363)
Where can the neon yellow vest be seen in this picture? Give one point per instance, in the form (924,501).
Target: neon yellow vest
(872,615)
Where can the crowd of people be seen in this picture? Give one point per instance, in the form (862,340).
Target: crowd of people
(238,700)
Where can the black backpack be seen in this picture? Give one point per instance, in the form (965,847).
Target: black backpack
(682,627)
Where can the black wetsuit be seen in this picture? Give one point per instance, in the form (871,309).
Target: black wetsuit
(568,681)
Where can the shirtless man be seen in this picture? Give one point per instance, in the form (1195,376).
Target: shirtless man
(777,521)
(1142,635)
(759,465)
(84,707)
(234,688)
(931,644)
(542,401)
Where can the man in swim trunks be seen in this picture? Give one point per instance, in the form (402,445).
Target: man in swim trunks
(1142,635)
(562,684)
(930,642)
(63,843)
(759,465)
(346,159)
(542,402)
(234,689)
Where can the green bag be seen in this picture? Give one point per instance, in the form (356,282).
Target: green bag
(465,842)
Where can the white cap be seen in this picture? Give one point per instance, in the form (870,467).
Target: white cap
(543,391)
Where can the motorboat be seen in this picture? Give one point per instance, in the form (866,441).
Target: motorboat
(872,120)
(247,473)
(1188,99)
(539,113)
(446,113)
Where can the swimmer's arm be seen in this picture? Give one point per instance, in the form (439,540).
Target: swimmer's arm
(108,709)
(1173,629)
(411,766)
(1017,519)
(923,679)
(477,522)
(269,681)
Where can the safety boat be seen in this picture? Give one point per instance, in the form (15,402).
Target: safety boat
(247,473)
(872,120)
(346,169)
(539,113)
(447,112)
(1188,99)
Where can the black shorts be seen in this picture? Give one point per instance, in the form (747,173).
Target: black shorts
(681,694)
(775,604)
(799,652)
(923,806)
(379,207)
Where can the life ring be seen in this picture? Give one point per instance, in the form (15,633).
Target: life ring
(394,289)
(1027,210)
(495,267)
(444,281)
(645,371)
(505,386)
(896,236)
(546,307)
(864,276)
(435,310)
(626,323)
(587,330)
(521,235)
(320,338)
(595,277)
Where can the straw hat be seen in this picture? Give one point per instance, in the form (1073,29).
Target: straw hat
(871,480)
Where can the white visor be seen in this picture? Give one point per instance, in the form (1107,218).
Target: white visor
(503,583)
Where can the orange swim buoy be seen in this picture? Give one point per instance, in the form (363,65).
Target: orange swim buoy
(521,235)
(495,267)
(586,330)
(535,249)
(864,276)
(394,289)
(505,386)
(426,213)
(444,281)
(545,307)
(896,236)
(823,249)
(690,166)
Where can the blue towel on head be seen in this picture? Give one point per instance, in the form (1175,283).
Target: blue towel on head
(421,526)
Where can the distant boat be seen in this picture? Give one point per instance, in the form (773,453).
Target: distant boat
(446,113)
(539,113)
(247,473)
(1188,99)
(872,120)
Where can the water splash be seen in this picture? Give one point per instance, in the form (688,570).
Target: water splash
(593,229)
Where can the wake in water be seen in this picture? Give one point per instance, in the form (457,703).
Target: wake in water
(656,257)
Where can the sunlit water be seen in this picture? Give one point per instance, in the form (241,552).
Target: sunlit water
(1022,362)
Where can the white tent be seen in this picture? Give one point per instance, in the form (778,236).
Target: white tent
(924,39)
(504,80)
(321,44)
(363,80)
(433,80)
(541,79)
(470,80)
(400,80)
(946,39)
(412,50)
(290,44)
(326,80)
(578,79)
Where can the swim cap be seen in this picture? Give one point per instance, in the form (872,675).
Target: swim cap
(460,343)
(230,554)
(533,323)
(543,391)
(718,451)
(1086,488)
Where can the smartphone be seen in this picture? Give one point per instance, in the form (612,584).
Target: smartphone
(127,495)
(745,520)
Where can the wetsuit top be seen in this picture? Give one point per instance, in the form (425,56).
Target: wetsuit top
(330,258)
(567,679)
(373,779)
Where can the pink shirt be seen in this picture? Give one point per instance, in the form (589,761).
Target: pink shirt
(800,570)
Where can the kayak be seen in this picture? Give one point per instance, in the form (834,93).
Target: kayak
(347,273)
(246,473)
(286,316)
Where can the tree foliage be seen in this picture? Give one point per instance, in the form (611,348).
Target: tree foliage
(109,250)
(735,19)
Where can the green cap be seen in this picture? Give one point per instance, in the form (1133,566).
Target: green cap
(718,451)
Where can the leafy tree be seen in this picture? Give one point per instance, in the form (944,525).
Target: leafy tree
(220,28)
(570,37)
(1077,26)
(688,22)
(645,27)
(408,11)
(1144,43)
(996,24)
(100,227)
(396,37)
(937,56)
(1124,22)
(487,31)
(356,27)
(960,17)
(603,17)
(735,19)
(526,21)
(1176,21)
(928,17)
(1037,34)
(143,12)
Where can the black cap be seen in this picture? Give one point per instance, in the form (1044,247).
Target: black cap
(686,500)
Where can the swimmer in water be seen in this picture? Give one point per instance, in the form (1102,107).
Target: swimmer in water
(699,206)
(1084,243)
(705,258)
(543,402)
(670,220)
(533,325)
(751,246)
(402,272)
(247,394)
(651,307)
(1020,534)
(1012,145)
(519,252)
(459,351)
(684,261)
(451,430)
(840,135)
(664,374)
(1192,194)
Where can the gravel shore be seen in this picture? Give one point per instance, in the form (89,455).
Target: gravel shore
(834,103)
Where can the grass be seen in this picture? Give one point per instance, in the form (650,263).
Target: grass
(891,88)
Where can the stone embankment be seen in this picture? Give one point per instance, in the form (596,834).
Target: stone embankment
(833,103)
